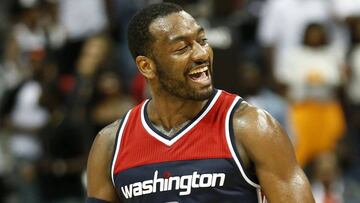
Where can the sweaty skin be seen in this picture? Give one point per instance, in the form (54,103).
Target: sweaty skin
(99,184)
(180,48)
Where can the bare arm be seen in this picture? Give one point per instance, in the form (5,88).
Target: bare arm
(268,147)
(98,168)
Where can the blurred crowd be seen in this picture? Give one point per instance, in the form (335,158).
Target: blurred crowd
(66,72)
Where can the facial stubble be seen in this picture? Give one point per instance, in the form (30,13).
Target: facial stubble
(179,87)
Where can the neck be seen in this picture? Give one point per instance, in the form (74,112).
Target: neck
(171,132)
(171,112)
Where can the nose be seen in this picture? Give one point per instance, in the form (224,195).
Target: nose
(199,53)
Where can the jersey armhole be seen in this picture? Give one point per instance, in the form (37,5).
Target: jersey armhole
(231,142)
(117,144)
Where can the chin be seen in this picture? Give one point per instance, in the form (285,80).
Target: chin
(203,94)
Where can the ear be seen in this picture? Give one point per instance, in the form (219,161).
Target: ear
(146,66)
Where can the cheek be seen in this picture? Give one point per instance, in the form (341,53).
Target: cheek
(178,64)
(170,69)
(211,53)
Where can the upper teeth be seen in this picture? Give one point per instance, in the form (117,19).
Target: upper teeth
(199,70)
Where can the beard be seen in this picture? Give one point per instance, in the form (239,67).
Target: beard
(180,88)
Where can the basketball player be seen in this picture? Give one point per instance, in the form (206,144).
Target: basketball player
(190,142)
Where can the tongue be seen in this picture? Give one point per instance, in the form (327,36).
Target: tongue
(198,76)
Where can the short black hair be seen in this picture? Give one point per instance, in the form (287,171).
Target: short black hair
(139,36)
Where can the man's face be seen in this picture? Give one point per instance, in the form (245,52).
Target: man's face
(182,57)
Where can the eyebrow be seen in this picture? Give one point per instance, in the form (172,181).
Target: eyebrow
(184,37)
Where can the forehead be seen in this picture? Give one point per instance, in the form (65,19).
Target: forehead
(173,25)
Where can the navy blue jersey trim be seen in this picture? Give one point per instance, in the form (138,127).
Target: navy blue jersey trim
(250,173)
(149,123)
(116,143)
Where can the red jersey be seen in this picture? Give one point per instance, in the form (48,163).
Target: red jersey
(200,163)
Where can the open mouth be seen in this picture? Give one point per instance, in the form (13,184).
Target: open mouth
(200,74)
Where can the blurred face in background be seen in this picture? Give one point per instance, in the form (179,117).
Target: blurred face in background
(93,55)
(249,78)
(109,84)
(315,35)
(30,16)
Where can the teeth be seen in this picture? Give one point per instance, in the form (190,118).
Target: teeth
(199,70)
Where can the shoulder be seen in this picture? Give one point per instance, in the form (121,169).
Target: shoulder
(103,145)
(269,148)
(250,119)
(99,184)
(106,137)
(258,132)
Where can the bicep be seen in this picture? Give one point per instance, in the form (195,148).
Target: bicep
(99,183)
(281,179)
(269,148)
(291,187)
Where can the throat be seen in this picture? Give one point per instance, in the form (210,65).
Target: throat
(172,131)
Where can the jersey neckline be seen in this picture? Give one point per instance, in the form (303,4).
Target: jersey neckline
(167,140)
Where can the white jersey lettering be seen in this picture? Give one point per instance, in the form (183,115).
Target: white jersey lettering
(183,183)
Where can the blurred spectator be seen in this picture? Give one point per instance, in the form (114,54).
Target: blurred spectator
(25,116)
(222,21)
(4,23)
(313,75)
(81,20)
(26,41)
(281,25)
(352,140)
(327,182)
(250,81)
(109,102)
(64,159)
(353,88)
(6,165)
(55,32)
(93,58)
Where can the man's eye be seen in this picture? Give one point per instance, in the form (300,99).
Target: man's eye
(203,41)
(183,48)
